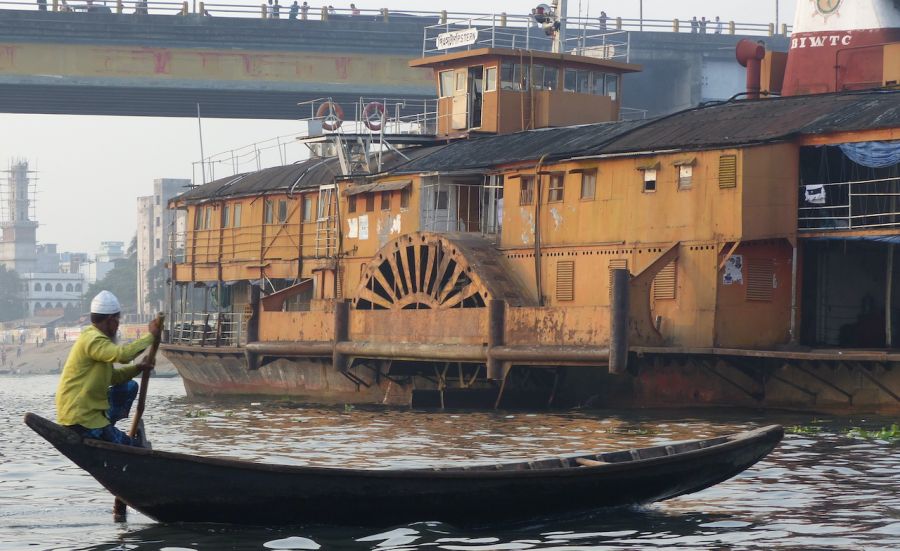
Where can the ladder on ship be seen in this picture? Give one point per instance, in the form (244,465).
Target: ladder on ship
(326,228)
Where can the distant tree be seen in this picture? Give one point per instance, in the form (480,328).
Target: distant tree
(12,295)
(120,281)
(156,284)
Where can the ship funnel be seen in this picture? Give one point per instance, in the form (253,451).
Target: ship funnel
(840,45)
(750,55)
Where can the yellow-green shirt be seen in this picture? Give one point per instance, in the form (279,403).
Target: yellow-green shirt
(81,397)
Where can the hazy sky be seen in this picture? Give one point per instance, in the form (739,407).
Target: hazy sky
(91,169)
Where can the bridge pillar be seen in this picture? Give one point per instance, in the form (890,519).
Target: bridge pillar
(674,25)
(324,13)
(119,7)
(503,19)
(618,23)
(443,17)
(384,11)
(731,27)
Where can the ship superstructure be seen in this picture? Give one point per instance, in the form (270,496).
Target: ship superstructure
(735,253)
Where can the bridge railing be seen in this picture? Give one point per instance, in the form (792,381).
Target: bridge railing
(264,10)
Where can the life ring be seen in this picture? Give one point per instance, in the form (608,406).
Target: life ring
(373,115)
(332,115)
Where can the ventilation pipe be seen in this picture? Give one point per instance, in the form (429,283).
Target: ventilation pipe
(750,55)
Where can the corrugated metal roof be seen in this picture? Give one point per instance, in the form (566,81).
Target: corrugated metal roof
(748,122)
(491,151)
(728,124)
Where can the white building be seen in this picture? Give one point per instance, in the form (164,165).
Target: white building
(48,294)
(156,224)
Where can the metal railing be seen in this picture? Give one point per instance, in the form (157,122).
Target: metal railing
(852,205)
(209,329)
(262,10)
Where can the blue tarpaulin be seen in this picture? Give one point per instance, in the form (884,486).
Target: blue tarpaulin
(872,154)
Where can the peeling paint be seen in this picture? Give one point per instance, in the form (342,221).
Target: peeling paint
(528,222)
(395,225)
(557,218)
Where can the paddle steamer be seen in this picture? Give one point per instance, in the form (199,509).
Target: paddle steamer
(525,242)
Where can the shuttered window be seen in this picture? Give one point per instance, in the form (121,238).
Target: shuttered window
(728,171)
(565,280)
(664,283)
(615,264)
(760,278)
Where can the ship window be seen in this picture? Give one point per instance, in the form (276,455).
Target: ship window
(583,85)
(441,199)
(351,203)
(198,218)
(460,81)
(490,79)
(370,202)
(282,211)
(598,86)
(404,198)
(685,176)
(526,190)
(226,216)
(588,184)
(385,200)
(649,180)
(510,73)
(612,86)
(556,188)
(308,208)
(237,216)
(571,80)
(537,77)
(207,218)
(551,78)
(446,84)
(268,215)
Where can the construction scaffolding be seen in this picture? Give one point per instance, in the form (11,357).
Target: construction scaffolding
(18,190)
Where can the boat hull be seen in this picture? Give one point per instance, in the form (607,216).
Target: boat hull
(172,487)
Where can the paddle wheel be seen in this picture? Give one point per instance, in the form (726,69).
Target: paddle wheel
(436,271)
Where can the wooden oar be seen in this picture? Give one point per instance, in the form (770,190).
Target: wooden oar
(119,510)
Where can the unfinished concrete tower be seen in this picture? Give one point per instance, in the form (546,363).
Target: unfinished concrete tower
(18,226)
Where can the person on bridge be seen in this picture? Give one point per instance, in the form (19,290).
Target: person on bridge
(354,10)
(295,8)
(140,7)
(695,25)
(42,5)
(92,395)
(703,22)
(304,11)
(276,10)
(603,18)
(718,25)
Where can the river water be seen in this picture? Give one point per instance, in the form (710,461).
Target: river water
(820,489)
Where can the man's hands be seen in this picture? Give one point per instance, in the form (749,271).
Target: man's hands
(154,328)
(145,367)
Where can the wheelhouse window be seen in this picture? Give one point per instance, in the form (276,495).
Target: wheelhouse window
(268,212)
(385,200)
(685,176)
(370,202)
(612,86)
(510,76)
(441,199)
(571,80)
(351,204)
(556,188)
(526,190)
(490,79)
(282,211)
(446,84)
(588,184)
(551,78)
(207,218)
(226,216)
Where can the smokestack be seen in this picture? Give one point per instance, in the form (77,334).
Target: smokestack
(750,55)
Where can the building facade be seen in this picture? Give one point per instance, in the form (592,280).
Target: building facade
(155,228)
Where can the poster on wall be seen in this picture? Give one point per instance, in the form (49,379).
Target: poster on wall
(364,227)
(352,228)
(734,273)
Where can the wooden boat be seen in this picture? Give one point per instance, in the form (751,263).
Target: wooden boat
(171,487)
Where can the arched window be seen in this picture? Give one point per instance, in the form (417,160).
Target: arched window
(48,287)
(37,286)
(59,306)
(48,306)
(59,287)
(69,287)
(78,287)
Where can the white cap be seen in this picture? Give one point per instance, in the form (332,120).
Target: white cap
(105,303)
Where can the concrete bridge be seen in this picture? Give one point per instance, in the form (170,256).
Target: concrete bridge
(164,65)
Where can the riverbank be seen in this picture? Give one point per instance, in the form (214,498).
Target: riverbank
(49,357)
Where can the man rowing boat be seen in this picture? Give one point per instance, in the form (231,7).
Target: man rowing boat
(92,394)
